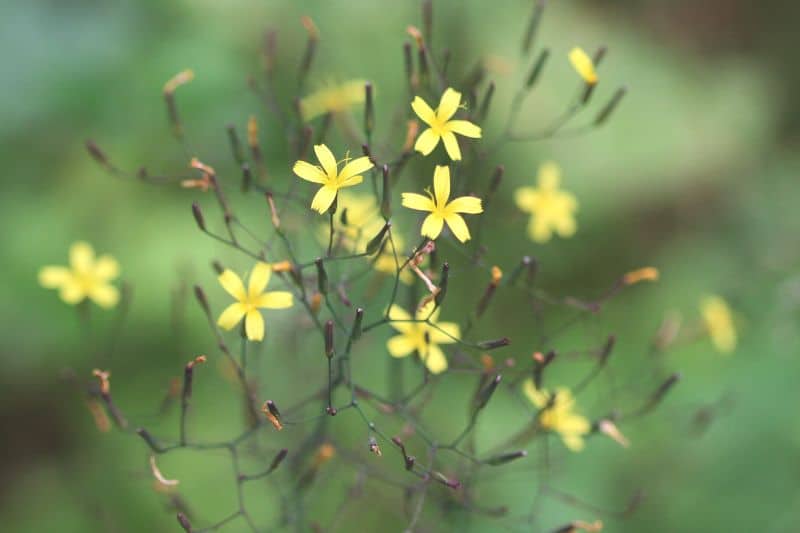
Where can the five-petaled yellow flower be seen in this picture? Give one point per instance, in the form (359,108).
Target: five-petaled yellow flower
(441,210)
(329,176)
(583,64)
(440,125)
(86,277)
(718,321)
(332,98)
(552,208)
(560,416)
(422,337)
(248,302)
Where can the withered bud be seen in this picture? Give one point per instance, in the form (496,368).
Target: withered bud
(181,78)
(282,266)
(184,522)
(533,25)
(247,177)
(369,110)
(374,244)
(218,267)
(252,132)
(373,447)
(97,154)
(236,147)
(487,362)
(611,106)
(386,190)
(159,476)
(608,428)
(665,388)
(270,410)
(273,212)
(150,440)
(103,378)
(355,333)
(485,394)
(279,457)
(311,46)
(497,177)
(495,343)
(198,216)
(504,458)
(315,302)
(483,110)
(415,34)
(408,62)
(580,525)
(444,480)
(99,416)
(322,276)
(641,274)
(412,128)
(329,348)
(200,295)
(188,376)
(608,348)
(537,68)
(324,454)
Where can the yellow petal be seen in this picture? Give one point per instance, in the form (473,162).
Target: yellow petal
(52,277)
(326,159)
(106,268)
(81,256)
(423,110)
(465,128)
(231,316)
(466,204)
(254,325)
(416,201)
(448,105)
(539,398)
(275,300)
(259,278)
(432,226)
(565,225)
(526,198)
(398,313)
(232,284)
(451,145)
(72,292)
(573,442)
(549,176)
(441,184)
(573,424)
(583,64)
(426,142)
(539,230)
(458,227)
(356,166)
(447,333)
(323,199)
(352,180)
(400,346)
(104,295)
(434,359)
(309,172)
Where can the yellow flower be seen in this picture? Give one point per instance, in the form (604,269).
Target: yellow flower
(441,127)
(422,337)
(86,277)
(583,64)
(329,176)
(441,210)
(332,98)
(719,323)
(560,416)
(248,302)
(552,209)
(363,223)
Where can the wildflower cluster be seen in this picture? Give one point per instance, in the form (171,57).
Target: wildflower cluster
(336,265)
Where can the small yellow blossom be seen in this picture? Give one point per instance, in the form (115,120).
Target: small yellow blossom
(440,209)
(86,277)
(718,321)
(363,223)
(422,337)
(583,65)
(332,98)
(440,125)
(560,416)
(552,208)
(248,302)
(329,177)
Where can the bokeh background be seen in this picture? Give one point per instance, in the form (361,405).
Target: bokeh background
(695,174)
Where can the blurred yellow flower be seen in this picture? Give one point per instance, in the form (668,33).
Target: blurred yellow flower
(552,208)
(440,209)
(248,302)
(363,223)
(559,417)
(332,98)
(440,125)
(718,321)
(86,277)
(329,177)
(421,336)
(583,65)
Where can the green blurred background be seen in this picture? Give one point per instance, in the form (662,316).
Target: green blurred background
(695,174)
